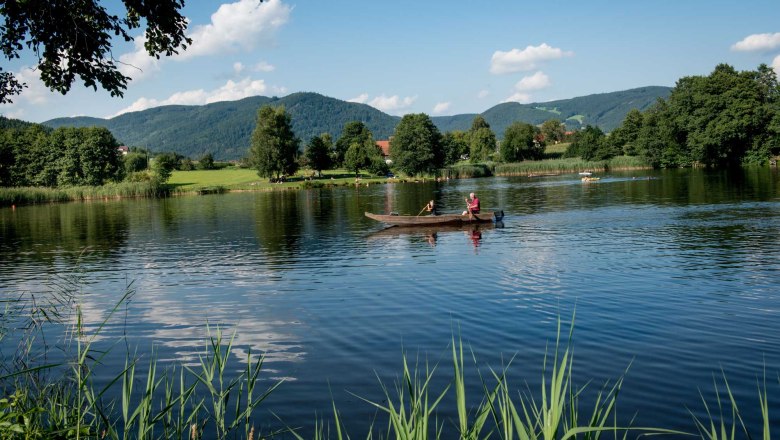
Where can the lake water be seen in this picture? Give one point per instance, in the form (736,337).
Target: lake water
(676,273)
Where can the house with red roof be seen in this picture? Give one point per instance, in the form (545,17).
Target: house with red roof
(384,146)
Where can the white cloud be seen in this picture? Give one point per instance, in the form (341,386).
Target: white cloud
(758,42)
(776,64)
(138,64)
(263,66)
(522,98)
(385,103)
(483,94)
(240,25)
(279,90)
(517,60)
(537,81)
(441,107)
(392,103)
(520,94)
(238,67)
(230,91)
(243,24)
(35,94)
(360,99)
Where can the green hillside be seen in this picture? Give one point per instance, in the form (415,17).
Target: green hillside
(224,128)
(604,110)
(9,123)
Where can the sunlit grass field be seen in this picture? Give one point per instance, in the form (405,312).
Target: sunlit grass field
(238,179)
(230,178)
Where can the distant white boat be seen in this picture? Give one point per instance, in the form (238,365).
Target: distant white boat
(585,173)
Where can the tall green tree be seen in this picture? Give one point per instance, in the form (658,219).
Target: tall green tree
(274,145)
(135,162)
(720,117)
(553,131)
(100,158)
(482,140)
(416,145)
(361,155)
(353,132)
(656,141)
(624,137)
(455,145)
(163,165)
(318,153)
(589,144)
(206,162)
(27,154)
(88,156)
(74,38)
(521,142)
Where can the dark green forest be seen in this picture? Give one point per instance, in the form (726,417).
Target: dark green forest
(224,128)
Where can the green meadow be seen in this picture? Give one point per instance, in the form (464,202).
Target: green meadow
(246,179)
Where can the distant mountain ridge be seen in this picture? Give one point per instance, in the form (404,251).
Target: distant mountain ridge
(225,128)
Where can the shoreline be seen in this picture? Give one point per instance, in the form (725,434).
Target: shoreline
(24,196)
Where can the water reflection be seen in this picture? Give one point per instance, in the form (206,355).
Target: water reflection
(430,235)
(278,223)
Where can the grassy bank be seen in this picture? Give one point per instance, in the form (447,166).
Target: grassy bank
(243,179)
(238,179)
(183,182)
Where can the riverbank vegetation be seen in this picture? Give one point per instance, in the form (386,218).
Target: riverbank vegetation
(68,394)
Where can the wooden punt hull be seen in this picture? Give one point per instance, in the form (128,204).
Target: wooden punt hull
(445,219)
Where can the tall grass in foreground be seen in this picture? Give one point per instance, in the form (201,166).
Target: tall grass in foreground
(124,189)
(60,400)
(553,413)
(56,397)
(721,427)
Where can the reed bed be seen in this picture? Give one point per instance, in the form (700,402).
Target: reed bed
(569,165)
(468,171)
(60,400)
(36,195)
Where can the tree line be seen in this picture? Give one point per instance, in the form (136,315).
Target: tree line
(416,146)
(34,155)
(723,119)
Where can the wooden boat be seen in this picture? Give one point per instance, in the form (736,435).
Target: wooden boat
(444,219)
(590,179)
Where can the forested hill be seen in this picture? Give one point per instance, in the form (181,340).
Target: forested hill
(8,123)
(224,128)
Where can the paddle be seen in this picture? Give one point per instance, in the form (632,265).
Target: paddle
(421,211)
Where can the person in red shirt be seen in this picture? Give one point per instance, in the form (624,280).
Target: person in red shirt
(472,205)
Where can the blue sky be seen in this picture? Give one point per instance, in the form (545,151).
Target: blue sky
(436,57)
